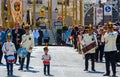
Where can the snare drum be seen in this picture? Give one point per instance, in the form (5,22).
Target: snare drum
(22,52)
(11,59)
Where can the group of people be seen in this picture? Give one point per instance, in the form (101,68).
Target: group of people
(12,40)
(40,36)
(105,38)
(98,42)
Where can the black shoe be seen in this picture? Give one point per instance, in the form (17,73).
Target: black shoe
(1,63)
(11,73)
(85,69)
(27,68)
(101,61)
(93,70)
(8,74)
(49,74)
(20,69)
(113,75)
(118,65)
(106,74)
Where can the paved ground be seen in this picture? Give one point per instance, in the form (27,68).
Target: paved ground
(66,62)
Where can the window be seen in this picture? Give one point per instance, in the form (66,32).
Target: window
(37,1)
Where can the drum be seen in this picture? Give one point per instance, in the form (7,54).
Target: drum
(11,59)
(22,52)
(89,47)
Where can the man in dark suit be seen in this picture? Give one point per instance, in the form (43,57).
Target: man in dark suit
(40,37)
(17,33)
(2,40)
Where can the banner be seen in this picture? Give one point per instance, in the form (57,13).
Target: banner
(16,10)
(99,15)
(0,15)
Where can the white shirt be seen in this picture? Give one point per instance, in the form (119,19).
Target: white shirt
(88,39)
(110,41)
(35,33)
(8,48)
(27,42)
(46,57)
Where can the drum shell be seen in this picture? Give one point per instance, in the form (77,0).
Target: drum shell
(10,59)
(22,52)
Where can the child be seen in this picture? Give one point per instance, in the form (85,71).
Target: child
(9,50)
(46,61)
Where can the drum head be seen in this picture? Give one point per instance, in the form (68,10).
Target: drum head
(10,59)
(22,52)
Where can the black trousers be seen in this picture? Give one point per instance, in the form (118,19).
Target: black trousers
(99,53)
(47,67)
(75,42)
(23,60)
(1,54)
(110,58)
(87,57)
(9,66)
(39,41)
(17,46)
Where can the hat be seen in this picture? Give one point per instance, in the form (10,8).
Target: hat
(26,26)
(110,24)
(9,35)
(90,27)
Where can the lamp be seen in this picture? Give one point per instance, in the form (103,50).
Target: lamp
(56,10)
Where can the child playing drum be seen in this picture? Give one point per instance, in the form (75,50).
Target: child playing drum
(46,61)
(9,50)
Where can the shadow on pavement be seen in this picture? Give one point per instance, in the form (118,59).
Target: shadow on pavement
(96,72)
(100,62)
(113,76)
(32,56)
(2,64)
(13,76)
(32,71)
(50,75)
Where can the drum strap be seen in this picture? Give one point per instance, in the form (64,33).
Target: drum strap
(5,47)
(24,41)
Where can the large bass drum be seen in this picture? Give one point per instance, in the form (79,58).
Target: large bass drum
(22,52)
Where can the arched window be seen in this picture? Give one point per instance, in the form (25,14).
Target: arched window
(37,1)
